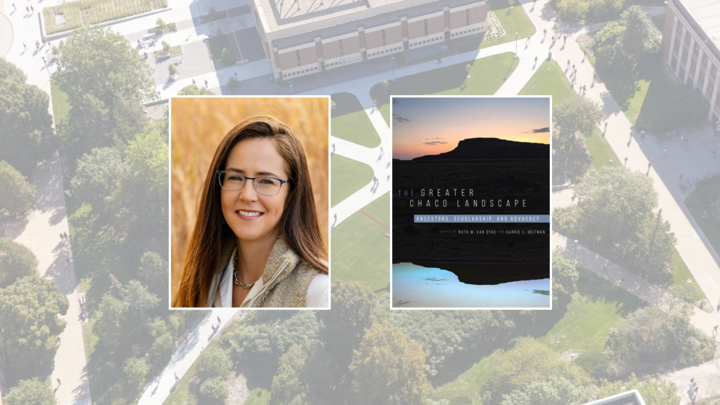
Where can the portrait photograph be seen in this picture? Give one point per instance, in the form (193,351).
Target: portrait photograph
(249,202)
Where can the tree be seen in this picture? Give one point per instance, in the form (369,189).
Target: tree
(448,336)
(30,392)
(213,391)
(290,383)
(161,26)
(572,10)
(341,331)
(639,38)
(573,120)
(27,134)
(194,90)
(96,177)
(547,391)
(213,362)
(111,317)
(613,202)
(17,196)
(102,63)
(651,336)
(166,47)
(139,200)
(135,370)
(172,70)
(105,82)
(29,312)
(565,275)
(527,362)
(16,261)
(140,303)
(233,84)
(388,368)
(153,273)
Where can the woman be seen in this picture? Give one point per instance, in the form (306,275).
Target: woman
(256,241)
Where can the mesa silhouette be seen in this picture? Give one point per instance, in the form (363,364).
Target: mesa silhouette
(492,148)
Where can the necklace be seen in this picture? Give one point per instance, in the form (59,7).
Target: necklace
(238,282)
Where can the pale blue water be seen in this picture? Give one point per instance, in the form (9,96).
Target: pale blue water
(423,287)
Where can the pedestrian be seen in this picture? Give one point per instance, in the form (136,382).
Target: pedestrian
(291,87)
(24,47)
(631,134)
(536,60)
(626,161)
(336,217)
(544,32)
(584,88)
(61,236)
(193,80)
(593,81)
(575,72)
(206,83)
(27,9)
(37,45)
(553,38)
(14,7)
(568,62)
(605,270)
(219,321)
(236,75)
(564,39)
(66,235)
(375,103)
(58,381)
(715,330)
(584,55)
(381,150)
(32,9)
(57,339)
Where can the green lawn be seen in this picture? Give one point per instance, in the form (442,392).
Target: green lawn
(348,176)
(487,75)
(360,249)
(61,108)
(595,308)
(600,150)
(513,19)
(549,79)
(468,386)
(351,123)
(681,274)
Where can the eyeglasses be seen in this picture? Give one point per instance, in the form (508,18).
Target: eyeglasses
(233,181)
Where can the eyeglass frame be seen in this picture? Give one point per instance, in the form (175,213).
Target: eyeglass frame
(220,172)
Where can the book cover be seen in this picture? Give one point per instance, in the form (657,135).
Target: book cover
(471,203)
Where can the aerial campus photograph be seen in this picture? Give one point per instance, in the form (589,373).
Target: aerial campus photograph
(85,217)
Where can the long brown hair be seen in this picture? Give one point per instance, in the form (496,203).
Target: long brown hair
(299,226)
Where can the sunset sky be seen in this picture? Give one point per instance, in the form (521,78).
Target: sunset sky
(428,126)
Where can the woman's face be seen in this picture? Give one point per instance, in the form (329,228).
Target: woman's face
(253,216)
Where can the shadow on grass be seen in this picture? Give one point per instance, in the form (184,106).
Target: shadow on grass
(345,103)
(597,288)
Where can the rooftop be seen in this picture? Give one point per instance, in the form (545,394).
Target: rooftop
(706,14)
(303,20)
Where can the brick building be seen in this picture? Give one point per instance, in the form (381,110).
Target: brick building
(690,47)
(303,37)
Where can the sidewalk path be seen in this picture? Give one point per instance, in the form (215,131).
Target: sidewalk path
(46,222)
(690,246)
(197,339)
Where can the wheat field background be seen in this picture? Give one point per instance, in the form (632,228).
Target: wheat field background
(197,126)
